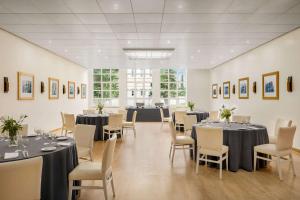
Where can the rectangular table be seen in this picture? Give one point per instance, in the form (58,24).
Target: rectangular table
(147,114)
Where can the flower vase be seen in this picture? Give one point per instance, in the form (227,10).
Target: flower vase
(227,120)
(13,140)
(99,112)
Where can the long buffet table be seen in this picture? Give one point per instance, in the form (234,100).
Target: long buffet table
(151,114)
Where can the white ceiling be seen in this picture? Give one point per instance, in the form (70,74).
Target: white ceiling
(204,33)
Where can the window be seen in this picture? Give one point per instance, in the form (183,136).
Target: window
(139,86)
(173,86)
(106,86)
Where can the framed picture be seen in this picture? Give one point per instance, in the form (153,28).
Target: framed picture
(270,86)
(244,88)
(226,90)
(71,90)
(215,91)
(83,91)
(53,85)
(25,86)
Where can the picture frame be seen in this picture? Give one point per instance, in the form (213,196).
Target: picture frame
(25,86)
(214,92)
(270,86)
(71,90)
(83,91)
(53,88)
(226,90)
(244,88)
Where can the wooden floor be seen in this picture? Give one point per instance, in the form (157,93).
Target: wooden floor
(142,171)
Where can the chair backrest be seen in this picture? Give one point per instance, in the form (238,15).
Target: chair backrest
(124,113)
(21,179)
(161,114)
(282,123)
(69,121)
(179,116)
(214,116)
(108,153)
(189,121)
(84,135)
(173,131)
(62,118)
(285,138)
(241,118)
(24,130)
(209,137)
(115,120)
(89,111)
(134,117)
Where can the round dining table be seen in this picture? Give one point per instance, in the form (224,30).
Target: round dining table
(57,164)
(99,120)
(241,140)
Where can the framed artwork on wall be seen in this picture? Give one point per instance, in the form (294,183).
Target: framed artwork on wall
(25,86)
(71,90)
(214,91)
(53,85)
(244,88)
(226,90)
(83,91)
(270,86)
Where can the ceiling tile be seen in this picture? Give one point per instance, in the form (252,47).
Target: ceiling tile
(9,19)
(127,36)
(295,9)
(148,28)
(16,6)
(53,6)
(245,6)
(148,18)
(115,6)
(119,18)
(34,19)
(99,28)
(92,18)
(123,28)
(191,18)
(64,18)
(277,6)
(83,6)
(145,6)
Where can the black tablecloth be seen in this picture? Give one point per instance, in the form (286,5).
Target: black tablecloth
(241,139)
(98,120)
(147,114)
(201,115)
(56,165)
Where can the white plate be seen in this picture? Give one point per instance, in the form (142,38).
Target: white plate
(46,149)
(32,135)
(62,138)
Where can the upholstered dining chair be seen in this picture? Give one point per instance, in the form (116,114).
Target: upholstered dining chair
(179,123)
(130,124)
(189,121)
(84,137)
(210,143)
(21,179)
(24,130)
(95,171)
(163,118)
(213,116)
(180,142)
(280,150)
(89,111)
(68,123)
(241,118)
(279,123)
(124,113)
(115,124)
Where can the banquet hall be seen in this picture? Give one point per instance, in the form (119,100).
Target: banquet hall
(149,99)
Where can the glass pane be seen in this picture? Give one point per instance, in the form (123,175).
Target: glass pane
(180,75)
(106,94)
(163,78)
(106,77)
(181,86)
(148,93)
(172,71)
(173,94)
(114,71)
(173,86)
(105,71)
(148,86)
(172,78)
(130,85)
(164,94)
(130,93)
(114,102)
(139,93)
(164,71)
(139,85)
(97,94)
(181,93)
(97,78)
(106,86)
(114,78)
(130,102)
(97,71)
(164,86)
(182,101)
(115,86)
(114,94)
(172,102)
(97,86)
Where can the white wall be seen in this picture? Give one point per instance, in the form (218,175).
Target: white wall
(282,54)
(19,55)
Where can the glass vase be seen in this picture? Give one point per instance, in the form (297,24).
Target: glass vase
(13,140)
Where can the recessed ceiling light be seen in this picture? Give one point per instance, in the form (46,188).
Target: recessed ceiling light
(192,57)
(66,50)
(99,50)
(198,50)
(49,41)
(128,42)
(106,57)
(179,6)
(247,42)
(149,53)
(231,51)
(168,41)
(212,62)
(116,6)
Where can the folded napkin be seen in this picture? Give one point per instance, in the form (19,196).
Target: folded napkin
(11,155)
(65,144)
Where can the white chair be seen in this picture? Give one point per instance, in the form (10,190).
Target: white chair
(124,113)
(130,125)
(282,148)
(68,123)
(213,116)
(279,123)
(241,118)
(115,123)
(95,171)
(189,121)
(180,142)
(84,137)
(179,123)
(210,143)
(163,118)
(89,112)
(24,130)
(21,179)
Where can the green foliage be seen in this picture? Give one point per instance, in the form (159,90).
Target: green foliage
(11,125)
(191,105)
(226,112)
(100,107)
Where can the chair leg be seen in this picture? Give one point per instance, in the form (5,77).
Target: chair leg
(173,151)
(221,166)
(170,150)
(292,163)
(105,188)
(197,161)
(112,186)
(193,150)
(70,190)
(279,168)
(205,160)
(162,124)
(227,161)
(134,131)
(254,161)
(91,156)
